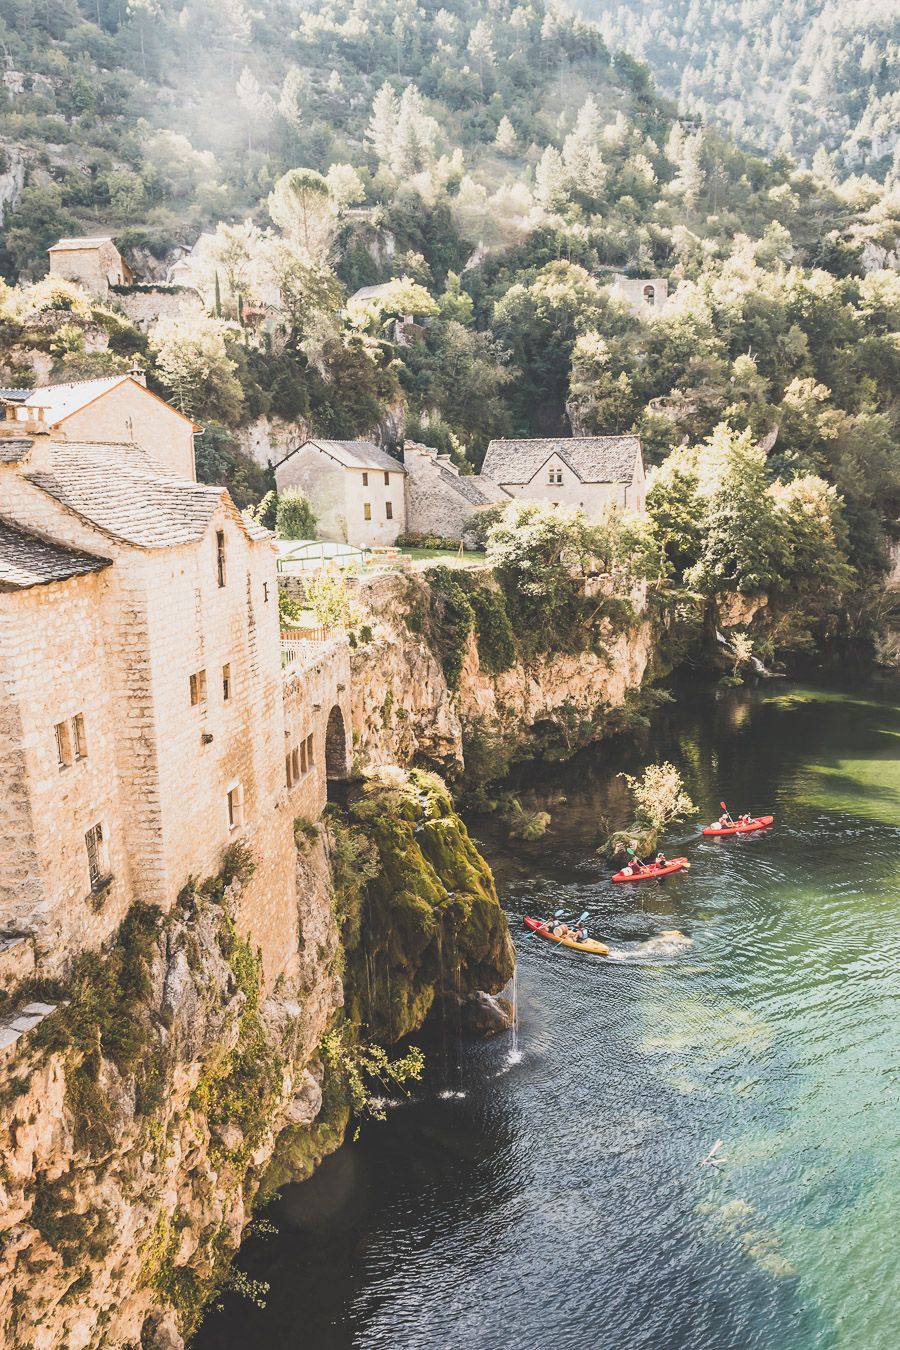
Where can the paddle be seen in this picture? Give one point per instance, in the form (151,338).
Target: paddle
(727,812)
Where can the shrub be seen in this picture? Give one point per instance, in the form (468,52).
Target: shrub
(294,517)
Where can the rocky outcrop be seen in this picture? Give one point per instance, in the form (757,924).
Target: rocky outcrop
(404,711)
(140,1118)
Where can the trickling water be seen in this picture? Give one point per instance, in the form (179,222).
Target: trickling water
(578,1200)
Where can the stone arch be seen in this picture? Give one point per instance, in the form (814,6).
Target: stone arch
(649,295)
(336,745)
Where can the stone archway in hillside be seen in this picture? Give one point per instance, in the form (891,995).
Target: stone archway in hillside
(649,295)
(336,765)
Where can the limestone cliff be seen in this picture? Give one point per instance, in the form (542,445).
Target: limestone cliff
(405,712)
(140,1117)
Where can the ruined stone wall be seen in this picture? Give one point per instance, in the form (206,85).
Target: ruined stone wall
(144,307)
(314,685)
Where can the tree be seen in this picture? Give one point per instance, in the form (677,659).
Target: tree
(481,49)
(677,510)
(294,517)
(383,122)
(581,154)
(505,139)
(193,362)
(744,548)
(302,204)
(256,102)
(551,182)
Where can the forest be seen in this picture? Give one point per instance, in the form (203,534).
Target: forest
(496,166)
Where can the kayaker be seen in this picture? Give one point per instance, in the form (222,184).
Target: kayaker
(746,819)
(580,934)
(660,860)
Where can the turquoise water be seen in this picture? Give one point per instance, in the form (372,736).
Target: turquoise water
(556,1197)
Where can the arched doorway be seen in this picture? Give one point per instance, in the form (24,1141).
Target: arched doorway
(336,745)
(649,295)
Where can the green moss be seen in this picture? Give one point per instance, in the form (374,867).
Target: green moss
(494,635)
(300,1148)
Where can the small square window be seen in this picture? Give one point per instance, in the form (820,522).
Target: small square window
(220,556)
(367,511)
(387,478)
(198,688)
(389,510)
(63,745)
(79,737)
(365,480)
(226,683)
(235,807)
(98,861)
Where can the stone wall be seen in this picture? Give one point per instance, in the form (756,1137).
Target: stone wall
(129,412)
(144,307)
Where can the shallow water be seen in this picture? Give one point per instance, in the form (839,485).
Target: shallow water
(556,1198)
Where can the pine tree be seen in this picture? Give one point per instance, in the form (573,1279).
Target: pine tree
(383,122)
(505,140)
(550,180)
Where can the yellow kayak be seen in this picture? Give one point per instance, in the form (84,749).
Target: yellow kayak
(589,945)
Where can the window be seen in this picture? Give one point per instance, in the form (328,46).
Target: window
(302,762)
(367,511)
(198,688)
(79,737)
(310,758)
(63,745)
(98,864)
(389,510)
(649,295)
(220,556)
(387,478)
(365,480)
(554,475)
(295,763)
(235,807)
(226,683)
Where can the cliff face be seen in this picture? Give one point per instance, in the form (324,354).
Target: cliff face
(140,1117)
(405,712)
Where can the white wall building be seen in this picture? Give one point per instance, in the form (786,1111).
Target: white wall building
(591,472)
(356,490)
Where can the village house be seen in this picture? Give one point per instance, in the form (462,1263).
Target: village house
(439,499)
(356,490)
(151,714)
(645,295)
(96,264)
(116,409)
(591,472)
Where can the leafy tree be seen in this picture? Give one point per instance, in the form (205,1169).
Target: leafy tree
(743,548)
(294,517)
(302,204)
(194,365)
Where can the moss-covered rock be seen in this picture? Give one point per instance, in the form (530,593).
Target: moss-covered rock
(427,923)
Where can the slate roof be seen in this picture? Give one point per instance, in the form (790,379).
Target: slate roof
(593,459)
(352,454)
(27,560)
(93,241)
(132,498)
(474,490)
(14,449)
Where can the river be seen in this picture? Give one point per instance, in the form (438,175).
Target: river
(556,1197)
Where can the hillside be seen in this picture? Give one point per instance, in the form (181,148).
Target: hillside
(796,78)
(498,167)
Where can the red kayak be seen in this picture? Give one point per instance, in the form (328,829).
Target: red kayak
(760,823)
(652,870)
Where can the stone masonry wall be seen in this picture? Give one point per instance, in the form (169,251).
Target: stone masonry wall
(129,412)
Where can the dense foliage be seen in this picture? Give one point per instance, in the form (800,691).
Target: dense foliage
(798,78)
(491,169)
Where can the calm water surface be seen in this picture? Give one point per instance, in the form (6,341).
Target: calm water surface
(555,1197)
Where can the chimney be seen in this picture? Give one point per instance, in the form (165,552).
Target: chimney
(138,373)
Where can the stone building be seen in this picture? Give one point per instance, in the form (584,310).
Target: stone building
(146,719)
(356,490)
(115,409)
(591,472)
(96,264)
(644,294)
(439,499)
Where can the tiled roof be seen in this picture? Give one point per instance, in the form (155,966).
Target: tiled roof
(593,459)
(27,560)
(132,499)
(14,449)
(352,454)
(476,491)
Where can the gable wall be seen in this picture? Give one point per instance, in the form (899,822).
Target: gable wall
(129,412)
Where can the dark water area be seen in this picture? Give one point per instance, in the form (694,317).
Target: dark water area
(548,1190)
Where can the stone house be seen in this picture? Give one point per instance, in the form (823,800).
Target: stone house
(644,294)
(116,409)
(439,499)
(144,720)
(356,489)
(96,263)
(591,472)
